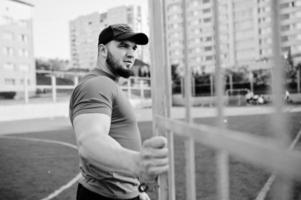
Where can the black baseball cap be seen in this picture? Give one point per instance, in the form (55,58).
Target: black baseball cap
(121,32)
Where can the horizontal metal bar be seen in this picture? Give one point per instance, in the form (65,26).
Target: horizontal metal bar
(57,86)
(261,151)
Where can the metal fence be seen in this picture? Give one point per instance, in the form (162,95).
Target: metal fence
(135,87)
(270,154)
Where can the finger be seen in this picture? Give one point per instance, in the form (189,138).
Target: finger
(156,163)
(155,153)
(155,142)
(156,171)
(144,196)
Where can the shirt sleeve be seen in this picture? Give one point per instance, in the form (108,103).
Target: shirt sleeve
(93,96)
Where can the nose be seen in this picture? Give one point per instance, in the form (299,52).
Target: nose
(130,53)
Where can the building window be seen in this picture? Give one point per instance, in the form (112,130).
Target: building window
(9,81)
(209,38)
(285,16)
(8,66)
(284,38)
(207,58)
(207,10)
(207,20)
(24,38)
(208,48)
(23,53)
(8,51)
(8,36)
(24,68)
(284,5)
(285,28)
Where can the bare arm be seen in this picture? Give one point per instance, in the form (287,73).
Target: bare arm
(95,144)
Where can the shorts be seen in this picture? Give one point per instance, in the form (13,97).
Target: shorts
(85,194)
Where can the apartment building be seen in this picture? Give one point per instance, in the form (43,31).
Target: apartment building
(17,67)
(245,32)
(84,32)
(290,28)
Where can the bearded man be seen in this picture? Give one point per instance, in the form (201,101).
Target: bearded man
(114,163)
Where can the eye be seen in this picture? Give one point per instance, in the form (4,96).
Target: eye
(123,45)
(135,47)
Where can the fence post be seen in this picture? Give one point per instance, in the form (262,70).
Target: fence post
(160,84)
(182,86)
(298,81)
(75,80)
(251,79)
(129,87)
(231,82)
(211,85)
(53,84)
(222,158)
(193,85)
(141,89)
(26,95)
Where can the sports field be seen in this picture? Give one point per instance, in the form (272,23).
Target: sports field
(34,169)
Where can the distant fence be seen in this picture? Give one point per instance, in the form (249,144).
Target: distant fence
(135,87)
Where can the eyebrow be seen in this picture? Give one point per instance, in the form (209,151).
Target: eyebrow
(127,44)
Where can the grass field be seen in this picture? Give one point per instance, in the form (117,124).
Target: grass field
(31,170)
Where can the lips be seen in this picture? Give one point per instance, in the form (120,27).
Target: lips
(128,61)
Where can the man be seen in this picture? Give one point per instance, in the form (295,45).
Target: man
(113,162)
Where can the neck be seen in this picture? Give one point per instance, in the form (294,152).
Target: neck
(102,65)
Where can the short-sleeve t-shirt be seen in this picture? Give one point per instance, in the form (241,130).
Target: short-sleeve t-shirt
(98,92)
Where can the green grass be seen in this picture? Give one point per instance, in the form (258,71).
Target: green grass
(32,170)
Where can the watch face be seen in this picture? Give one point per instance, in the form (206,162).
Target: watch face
(142,187)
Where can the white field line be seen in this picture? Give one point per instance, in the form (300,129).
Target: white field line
(267,186)
(63,188)
(67,185)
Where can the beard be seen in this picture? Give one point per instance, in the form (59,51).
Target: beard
(116,68)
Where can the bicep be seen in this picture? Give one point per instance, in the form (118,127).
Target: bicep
(91,125)
(95,143)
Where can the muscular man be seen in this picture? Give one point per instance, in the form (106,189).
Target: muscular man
(113,162)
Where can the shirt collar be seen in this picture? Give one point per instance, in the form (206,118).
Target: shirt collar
(101,72)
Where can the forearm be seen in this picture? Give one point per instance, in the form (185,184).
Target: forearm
(105,152)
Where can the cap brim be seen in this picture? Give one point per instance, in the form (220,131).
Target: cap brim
(138,38)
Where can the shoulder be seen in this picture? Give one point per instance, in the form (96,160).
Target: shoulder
(102,84)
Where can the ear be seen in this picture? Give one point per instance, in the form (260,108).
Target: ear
(102,50)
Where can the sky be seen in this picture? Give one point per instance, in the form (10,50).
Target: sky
(51,22)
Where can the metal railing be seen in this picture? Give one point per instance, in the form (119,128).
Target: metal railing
(135,87)
(271,154)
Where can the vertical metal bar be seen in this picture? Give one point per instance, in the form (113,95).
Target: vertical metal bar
(75,82)
(170,135)
(129,87)
(189,143)
(278,120)
(26,91)
(222,157)
(171,172)
(231,82)
(211,85)
(161,79)
(251,79)
(141,89)
(298,81)
(53,84)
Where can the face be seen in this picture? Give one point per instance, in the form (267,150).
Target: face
(121,57)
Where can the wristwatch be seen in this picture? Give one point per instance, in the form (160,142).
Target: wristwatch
(148,186)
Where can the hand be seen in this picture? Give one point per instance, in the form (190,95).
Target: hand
(153,158)
(144,196)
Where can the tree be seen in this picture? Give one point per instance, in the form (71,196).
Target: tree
(51,64)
